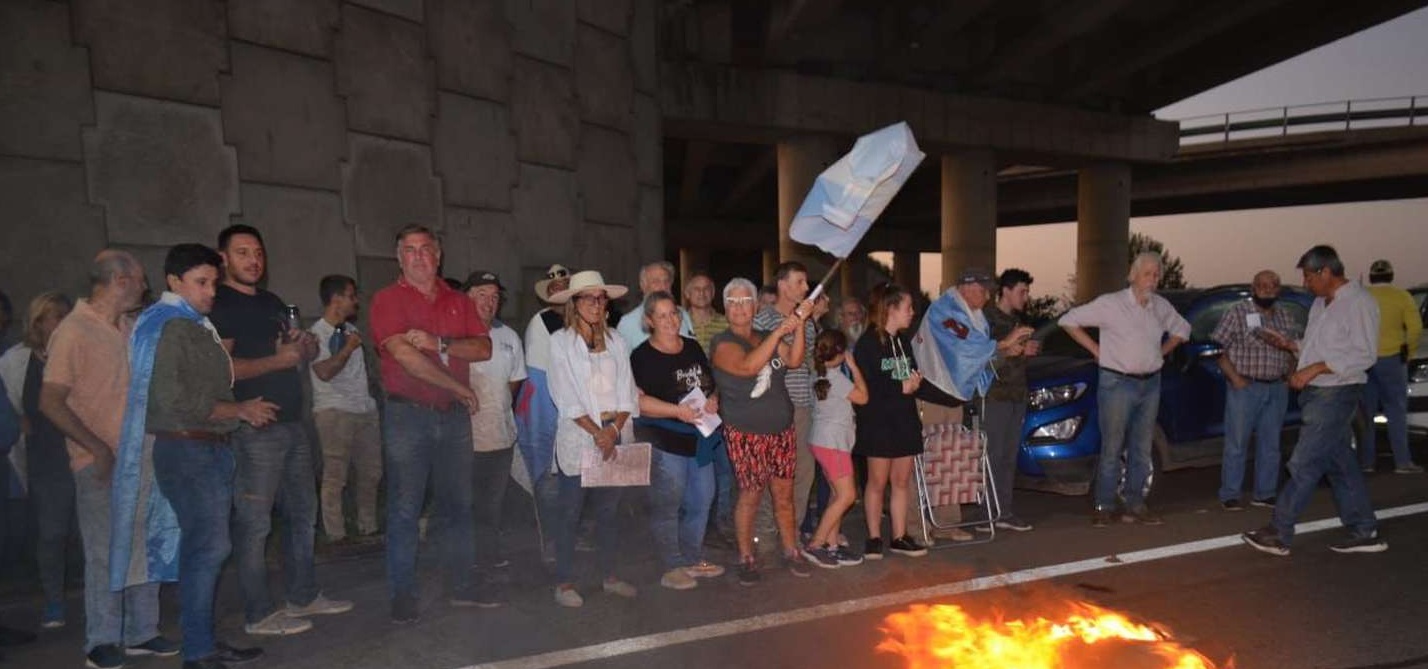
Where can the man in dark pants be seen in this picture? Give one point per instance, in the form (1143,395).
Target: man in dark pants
(1006,399)
(275,461)
(427,336)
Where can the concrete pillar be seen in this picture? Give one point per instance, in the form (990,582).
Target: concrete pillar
(969,213)
(1102,229)
(690,261)
(907,270)
(800,160)
(770,266)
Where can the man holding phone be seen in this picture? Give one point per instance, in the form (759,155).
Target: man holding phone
(1255,363)
(1006,399)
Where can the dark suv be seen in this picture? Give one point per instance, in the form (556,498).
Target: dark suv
(1061,439)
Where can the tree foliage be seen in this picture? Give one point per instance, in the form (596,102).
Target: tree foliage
(1172,275)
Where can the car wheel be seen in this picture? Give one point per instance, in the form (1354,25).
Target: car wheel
(1159,450)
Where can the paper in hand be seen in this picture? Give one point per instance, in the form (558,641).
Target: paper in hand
(629,467)
(708,422)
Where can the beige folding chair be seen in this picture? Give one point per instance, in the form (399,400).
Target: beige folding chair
(954,469)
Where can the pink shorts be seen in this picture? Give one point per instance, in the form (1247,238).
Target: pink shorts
(835,463)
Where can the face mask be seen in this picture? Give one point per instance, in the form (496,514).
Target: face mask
(1264,302)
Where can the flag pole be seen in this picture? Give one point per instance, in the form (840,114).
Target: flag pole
(818,290)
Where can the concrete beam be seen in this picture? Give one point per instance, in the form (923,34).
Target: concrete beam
(696,158)
(752,175)
(726,103)
(1057,27)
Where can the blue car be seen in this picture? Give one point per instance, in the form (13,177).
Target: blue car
(1061,438)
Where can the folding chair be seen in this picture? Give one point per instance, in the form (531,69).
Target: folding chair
(954,469)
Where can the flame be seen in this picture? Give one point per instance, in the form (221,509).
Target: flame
(939,636)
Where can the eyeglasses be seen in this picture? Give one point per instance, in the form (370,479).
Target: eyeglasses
(557,273)
(734,301)
(593,299)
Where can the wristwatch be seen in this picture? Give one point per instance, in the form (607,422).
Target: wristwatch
(442,343)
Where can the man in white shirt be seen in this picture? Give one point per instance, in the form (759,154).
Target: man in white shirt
(1130,352)
(654,277)
(1340,344)
(344,412)
(493,428)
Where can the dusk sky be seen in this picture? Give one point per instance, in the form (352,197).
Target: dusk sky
(1388,60)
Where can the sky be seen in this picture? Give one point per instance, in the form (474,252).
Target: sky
(1387,60)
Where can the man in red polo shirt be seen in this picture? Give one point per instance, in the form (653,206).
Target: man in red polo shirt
(427,336)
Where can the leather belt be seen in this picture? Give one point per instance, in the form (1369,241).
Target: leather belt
(1138,377)
(193,435)
(1279,380)
(429,406)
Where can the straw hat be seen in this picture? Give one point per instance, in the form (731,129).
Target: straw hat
(556,271)
(588,280)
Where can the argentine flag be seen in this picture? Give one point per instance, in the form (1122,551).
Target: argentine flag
(851,194)
(953,347)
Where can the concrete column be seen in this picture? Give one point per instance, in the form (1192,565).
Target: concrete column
(800,160)
(690,261)
(907,270)
(770,266)
(1102,229)
(969,213)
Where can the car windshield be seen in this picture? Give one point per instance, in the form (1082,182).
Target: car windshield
(1209,318)
(1055,341)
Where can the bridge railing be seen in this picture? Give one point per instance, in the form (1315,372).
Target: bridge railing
(1299,119)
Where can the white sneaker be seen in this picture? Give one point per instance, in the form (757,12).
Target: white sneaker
(619,588)
(278,623)
(319,606)
(678,579)
(704,569)
(761,384)
(568,597)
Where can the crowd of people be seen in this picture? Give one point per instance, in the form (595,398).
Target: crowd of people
(174,431)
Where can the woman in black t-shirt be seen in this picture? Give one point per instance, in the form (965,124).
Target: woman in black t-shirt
(667,369)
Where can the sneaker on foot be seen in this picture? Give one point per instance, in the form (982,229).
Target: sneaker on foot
(1142,515)
(319,606)
(797,565)
(820,556)
(158,645)
(959,534)
(229,655)
(846,557)
(1368,544)
(748,572)
(278,623)
(1410,468)
(620,588)
(1101,518)
(1014,524)
(404,610)
(704,569)
(1264,503)
(678,579)
(53,616)
(567,596)
(906,545)
(873,549)
(1267,540)
(105,656)
(1231,505)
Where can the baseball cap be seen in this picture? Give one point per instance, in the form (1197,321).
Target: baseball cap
(482,278)
(1381,267)
(976,275)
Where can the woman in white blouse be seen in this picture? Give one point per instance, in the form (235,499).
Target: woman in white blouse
(594,391)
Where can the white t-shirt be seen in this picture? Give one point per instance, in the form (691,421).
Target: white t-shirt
(493,427)
(348,390)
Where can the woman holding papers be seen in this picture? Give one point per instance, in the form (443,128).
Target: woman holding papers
(888,429)
(594,392)
(758,426)
(679,417)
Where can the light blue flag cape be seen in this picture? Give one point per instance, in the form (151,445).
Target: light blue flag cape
(954,349)
(851,194)
(144,543)
(536,418)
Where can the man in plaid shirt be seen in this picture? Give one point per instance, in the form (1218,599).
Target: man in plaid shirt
(1257,397)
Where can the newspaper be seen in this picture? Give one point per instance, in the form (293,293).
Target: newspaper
(629,467)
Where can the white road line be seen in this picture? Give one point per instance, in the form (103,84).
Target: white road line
(766,621)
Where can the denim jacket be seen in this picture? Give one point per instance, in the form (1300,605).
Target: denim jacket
(570,372)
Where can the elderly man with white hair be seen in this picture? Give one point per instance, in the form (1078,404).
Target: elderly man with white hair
(654,277)
(1132,347)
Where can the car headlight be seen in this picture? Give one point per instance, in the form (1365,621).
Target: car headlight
(1055,396)
(1418,370)
(1061,430)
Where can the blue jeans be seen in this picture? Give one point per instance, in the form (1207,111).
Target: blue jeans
(425,445)
(52,498)
(1258,407)
(197,477)
(680,495)
(490,475)
(130,617)
(1323,450)
(1127,407)
(274,467)
(725,491)
(570,500)
(1387,387)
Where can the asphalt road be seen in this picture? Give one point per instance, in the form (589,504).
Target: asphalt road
(1313,609)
